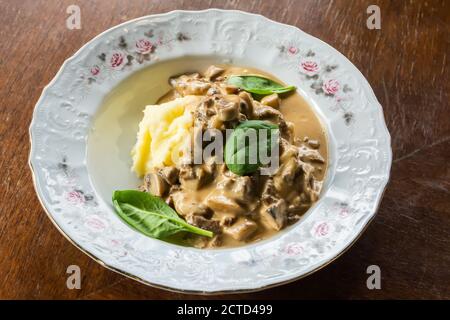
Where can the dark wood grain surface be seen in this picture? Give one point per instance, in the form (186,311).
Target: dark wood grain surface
(406,63)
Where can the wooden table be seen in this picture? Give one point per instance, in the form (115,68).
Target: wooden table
(406,63)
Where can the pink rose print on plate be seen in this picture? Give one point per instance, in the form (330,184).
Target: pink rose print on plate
(144,46)
(309,67)
(95,70)
(95,223)
(292,50)
(115,243)
(331,87)
(321,229)
(116,60)
(75,197)
(342,209)
(294,249)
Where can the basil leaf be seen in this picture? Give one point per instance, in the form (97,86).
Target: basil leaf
(258,85)
(241,149)
(150,215)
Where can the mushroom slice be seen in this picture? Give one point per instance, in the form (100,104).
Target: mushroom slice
(298,205)
(190,85)
(287,129)
(239,189)
(204,175)
(215,242)
(315,144)
(243,191)
(241,229)
(194,177)
(272,101)
(213,71)
(170,174)
(284,179)
(306,153)
(264,112)
(247,107)
(185,206)
(202,222)
(230,89)
(269,193)
(227,219)
(274,216)
(222,203)
(227,110)
(155,184)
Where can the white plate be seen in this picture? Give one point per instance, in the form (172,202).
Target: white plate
(76,167)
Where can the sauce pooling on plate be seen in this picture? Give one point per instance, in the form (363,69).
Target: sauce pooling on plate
(238,203)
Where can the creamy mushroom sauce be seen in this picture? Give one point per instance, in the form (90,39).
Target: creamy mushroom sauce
(244,209)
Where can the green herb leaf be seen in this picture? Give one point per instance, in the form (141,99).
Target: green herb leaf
(150,215)
(258,85)
(240,148)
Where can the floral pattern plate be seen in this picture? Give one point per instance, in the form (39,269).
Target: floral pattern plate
(359,147)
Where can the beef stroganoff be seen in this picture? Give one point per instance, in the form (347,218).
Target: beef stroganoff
(201,182)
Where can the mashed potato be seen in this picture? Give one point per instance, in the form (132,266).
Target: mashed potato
(164,134)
